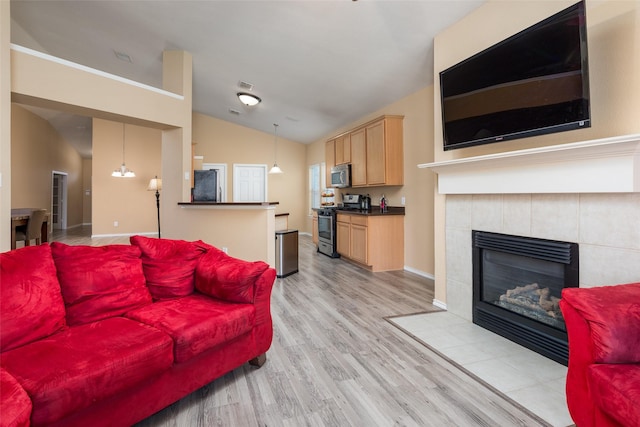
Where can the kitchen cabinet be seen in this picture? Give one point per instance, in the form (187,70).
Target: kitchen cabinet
(358,158)
(374,241)
(343,149)
(314,227)
(329,158)
(343,234)
(359,233)
(375,151)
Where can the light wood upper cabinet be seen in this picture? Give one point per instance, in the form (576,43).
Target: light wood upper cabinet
(343,149)
(385,157)
(330,159)
(375,151)
(358,158)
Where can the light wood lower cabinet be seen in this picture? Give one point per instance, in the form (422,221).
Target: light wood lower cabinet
(314,228)
(375,241)
(343,234)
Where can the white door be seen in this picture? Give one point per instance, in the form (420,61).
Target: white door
(249,183)
(59,200)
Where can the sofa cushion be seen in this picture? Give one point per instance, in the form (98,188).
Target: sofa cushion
(31,306)
(228,278)
(169,265)
(613,313)
(197,322)
(100,281)
(15,405)
(615,389)
(70,370)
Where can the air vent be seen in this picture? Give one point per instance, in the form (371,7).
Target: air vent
(245,86)
(122,56)
(233,111)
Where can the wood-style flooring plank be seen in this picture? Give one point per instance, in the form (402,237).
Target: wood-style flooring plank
(335,360)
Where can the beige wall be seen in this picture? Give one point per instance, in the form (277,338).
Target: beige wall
(613,36)
(125,200)
(418,184)
(86,191)
(36,151)
(219,141)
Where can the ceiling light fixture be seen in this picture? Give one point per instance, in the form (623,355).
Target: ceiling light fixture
(123,171)
(275,169)
(248,99)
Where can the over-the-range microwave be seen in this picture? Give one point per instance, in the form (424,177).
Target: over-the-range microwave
(341,176)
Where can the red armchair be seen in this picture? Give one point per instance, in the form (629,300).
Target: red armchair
(603,379)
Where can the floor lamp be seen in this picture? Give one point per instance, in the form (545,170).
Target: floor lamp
(156,185)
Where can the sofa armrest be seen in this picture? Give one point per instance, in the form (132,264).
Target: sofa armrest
(231,279)
(613,316)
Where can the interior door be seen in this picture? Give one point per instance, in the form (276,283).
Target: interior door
(249,183)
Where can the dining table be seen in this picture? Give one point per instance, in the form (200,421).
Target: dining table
(20,216)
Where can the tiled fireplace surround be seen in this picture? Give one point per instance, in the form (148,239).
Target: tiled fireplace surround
(586,192)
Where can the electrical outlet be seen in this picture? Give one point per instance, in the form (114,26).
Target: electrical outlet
(115,223)
(225,249)
(402,200)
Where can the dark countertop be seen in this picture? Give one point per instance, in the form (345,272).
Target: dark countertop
(392,210)
(228,203)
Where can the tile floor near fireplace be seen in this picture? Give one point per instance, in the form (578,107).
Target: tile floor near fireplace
(532,380)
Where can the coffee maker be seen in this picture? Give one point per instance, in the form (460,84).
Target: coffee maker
(356,202)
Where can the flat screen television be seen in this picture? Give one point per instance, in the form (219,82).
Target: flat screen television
(533,83)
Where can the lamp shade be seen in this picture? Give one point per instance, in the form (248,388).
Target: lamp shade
(155,184)
(275,169)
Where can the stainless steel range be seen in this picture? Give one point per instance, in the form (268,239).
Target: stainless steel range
(327,232)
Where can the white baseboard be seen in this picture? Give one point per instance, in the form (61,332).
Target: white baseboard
(439,304)
(419,272)
(152,233)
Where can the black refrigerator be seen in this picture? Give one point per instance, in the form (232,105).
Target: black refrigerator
(205,186)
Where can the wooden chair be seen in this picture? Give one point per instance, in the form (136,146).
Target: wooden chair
(33,229)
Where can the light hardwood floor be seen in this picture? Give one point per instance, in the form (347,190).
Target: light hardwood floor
(336,361)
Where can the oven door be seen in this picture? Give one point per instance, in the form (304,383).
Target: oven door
(325,228)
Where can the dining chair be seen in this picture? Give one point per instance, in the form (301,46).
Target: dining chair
(33,229)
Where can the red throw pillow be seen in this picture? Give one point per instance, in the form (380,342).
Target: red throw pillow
(99,281)
(31,306)
(228,278)
(169,265)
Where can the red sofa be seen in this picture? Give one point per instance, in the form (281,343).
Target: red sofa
(603,377)
(108,335)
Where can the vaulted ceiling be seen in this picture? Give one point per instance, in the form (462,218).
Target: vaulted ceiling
(317,65)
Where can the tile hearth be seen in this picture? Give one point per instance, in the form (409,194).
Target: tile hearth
(531,380)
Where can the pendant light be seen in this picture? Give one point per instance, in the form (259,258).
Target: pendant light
(122,171)
(275,169)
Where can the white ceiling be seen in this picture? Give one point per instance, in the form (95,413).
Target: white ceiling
(317,65)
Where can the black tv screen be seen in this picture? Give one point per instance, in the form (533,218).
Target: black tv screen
(532,83)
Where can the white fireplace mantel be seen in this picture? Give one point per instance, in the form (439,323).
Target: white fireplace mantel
(609,165)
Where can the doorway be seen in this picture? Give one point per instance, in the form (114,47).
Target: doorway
(58,200)
(249,183)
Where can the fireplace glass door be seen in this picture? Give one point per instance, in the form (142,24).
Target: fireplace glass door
(517,285)
(527,286)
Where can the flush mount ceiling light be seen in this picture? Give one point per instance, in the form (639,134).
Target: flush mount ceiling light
(248,99)
(123,171)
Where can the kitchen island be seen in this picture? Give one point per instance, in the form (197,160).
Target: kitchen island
(244,230)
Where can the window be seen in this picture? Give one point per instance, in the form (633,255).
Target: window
(316,183)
